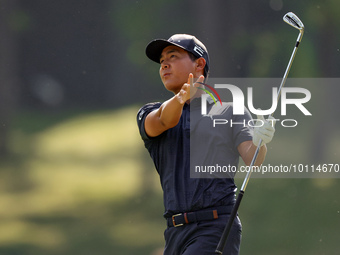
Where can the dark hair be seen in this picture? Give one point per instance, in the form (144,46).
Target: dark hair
(193,58)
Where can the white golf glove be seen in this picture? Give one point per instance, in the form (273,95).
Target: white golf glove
(264,129)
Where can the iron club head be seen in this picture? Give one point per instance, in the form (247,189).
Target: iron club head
(293,20)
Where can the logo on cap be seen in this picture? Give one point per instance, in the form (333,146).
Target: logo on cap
(198,50)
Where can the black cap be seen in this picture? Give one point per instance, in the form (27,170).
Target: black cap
(187,42)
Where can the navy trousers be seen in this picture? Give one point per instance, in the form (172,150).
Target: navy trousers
(201,238)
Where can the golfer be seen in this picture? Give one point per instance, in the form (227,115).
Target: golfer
(196,209)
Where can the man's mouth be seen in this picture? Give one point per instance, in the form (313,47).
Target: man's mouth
(165,75)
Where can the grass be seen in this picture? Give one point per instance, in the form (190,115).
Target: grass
(82,183)
(64,190)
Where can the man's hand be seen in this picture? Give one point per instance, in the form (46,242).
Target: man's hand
(169,113)
(189,89)
(264,129)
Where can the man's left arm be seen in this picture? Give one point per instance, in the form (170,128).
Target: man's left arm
(247,150)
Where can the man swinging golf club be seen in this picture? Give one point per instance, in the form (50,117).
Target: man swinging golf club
(196,209)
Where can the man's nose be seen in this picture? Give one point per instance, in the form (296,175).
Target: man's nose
(164,65)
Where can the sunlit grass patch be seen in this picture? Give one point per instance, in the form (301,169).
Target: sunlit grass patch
(91,136)
(72,173)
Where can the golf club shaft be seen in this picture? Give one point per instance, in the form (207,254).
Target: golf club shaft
(298,40)
(224,237)
(245,182)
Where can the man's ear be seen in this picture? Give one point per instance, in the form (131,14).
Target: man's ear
(200,64)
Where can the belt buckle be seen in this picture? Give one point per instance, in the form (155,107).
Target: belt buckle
(173,220)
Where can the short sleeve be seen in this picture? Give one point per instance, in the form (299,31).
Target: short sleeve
(242,132)
(141,115)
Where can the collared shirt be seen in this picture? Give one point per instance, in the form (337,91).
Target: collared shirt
(193,143)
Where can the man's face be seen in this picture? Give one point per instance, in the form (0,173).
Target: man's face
(176,65)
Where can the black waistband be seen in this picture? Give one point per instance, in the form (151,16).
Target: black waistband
(180,219)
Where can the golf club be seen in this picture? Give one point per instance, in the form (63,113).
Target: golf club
(295,22)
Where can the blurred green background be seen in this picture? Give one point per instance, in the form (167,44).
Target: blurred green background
(74,175)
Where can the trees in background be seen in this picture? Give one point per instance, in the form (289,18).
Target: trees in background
(90,54)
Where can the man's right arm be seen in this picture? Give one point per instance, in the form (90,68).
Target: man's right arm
(165,117)
(169,113)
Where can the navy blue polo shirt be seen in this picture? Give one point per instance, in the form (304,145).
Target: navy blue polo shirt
(172,156)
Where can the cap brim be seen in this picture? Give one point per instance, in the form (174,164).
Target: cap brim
(154,48)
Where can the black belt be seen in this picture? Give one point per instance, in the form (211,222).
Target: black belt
(180,219)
